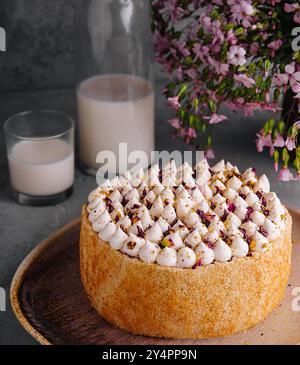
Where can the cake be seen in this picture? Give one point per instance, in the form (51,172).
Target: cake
(183,252)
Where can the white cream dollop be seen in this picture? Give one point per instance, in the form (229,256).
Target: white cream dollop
(262,184)
(191,219)
(157,208)
(108,231)
(251,199)
(149,252)
(174,239)
(250,228)
(124,223)
(164,225)
(101,221)
(239,247)
(186,257)
(183,208)
(180,228)
(222,251)
(169,214)
(193,239)
(133,245)
(154,234)
(204,254)
(257,218)
(167,257)
(118,239)
(271,229)
(234,183)
(259,243)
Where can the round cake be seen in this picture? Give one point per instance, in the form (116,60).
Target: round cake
(185,252)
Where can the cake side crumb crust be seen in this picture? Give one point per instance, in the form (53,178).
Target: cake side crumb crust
(211,301)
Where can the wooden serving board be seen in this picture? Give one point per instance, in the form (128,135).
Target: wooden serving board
(49,301)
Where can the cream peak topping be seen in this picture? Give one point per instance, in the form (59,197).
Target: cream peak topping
(222,251)
(109,230)
(118,239)
(186,257)
(204,255)
(133,245)
(149,252)
(154,234)
(239,247)
(173,240)
(101,221)
(167,257)
(187,217)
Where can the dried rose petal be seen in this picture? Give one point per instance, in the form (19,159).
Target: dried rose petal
(231,207)
(140,232)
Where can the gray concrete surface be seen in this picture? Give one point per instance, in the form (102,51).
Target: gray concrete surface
(21,228)
(40,44)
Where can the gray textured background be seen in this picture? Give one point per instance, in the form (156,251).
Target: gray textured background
(37,71)
(40,44)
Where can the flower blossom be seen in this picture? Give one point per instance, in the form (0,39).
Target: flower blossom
(175,123)
(297,17)
(285,175)
(215,118)
(279,141)
(174,102)
(244,80)
(236,56)
(291,8)
(290,143)
(263,141)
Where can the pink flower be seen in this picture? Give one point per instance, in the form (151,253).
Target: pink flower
(254,47)
(297,17)
(209,154)
(297,124)
(285,175)
(244,80)
(275,45)
(263,141)
(236,56)
(290,8)
(294,82)
(192,73)
(290,68)
(191,133)
(276,166)
(175,123)
(215,118)
(279,141)
(281,79)
(231,38)
(174,102)
(290,143)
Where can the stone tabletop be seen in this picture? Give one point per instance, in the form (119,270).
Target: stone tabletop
(21,228)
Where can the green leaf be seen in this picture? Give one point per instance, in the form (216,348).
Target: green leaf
(267,65)
(212,106)
(285,157)
(276,156)
(182,90)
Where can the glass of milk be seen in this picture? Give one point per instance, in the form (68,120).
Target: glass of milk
(40,149)
(115,87)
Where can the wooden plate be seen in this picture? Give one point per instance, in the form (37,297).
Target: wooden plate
(49,301)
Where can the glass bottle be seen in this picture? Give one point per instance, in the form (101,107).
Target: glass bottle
(115,89)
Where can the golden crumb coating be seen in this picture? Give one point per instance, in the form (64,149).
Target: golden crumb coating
(210,301)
